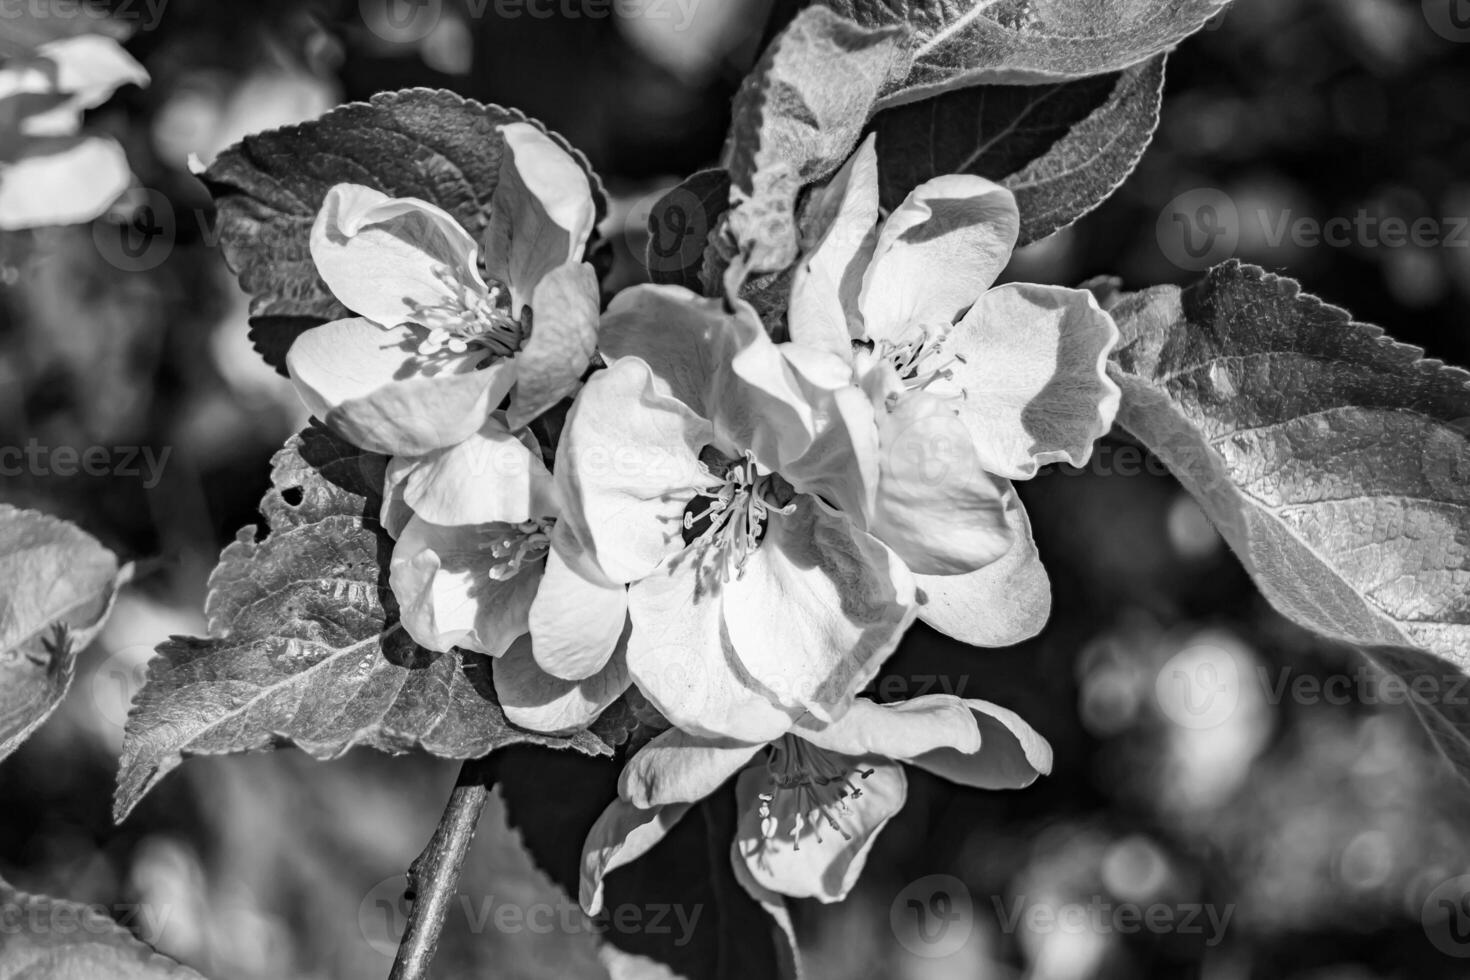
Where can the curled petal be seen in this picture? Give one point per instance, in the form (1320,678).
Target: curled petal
(620,836)
(1034,372)
(1012,754)
(817,608)
(541,213)
(677,767)
(795,850)
(681,659)
(899,730)
(532,698)
(493,475)
(825,287)
(578,617)
(563,337)
(627,465)
(394,260)
(935,505)
(372,387)
(446,597)
(999,604)
(937,253)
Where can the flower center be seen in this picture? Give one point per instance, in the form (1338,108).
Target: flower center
(730,519)
(810,785)
(921,361)
(513,546)
(482,321)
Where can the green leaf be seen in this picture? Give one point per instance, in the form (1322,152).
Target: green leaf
(958,43)
(679,227)
(56,589)
(424,143)
(1335,461)
(796,118)
(1063,148)
(305,646)
(725,934)
(51,938)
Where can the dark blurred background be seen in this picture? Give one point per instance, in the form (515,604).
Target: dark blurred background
(1307,832)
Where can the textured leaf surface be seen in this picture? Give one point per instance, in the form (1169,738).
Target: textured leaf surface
(796,118)
(1335,461)
(305,647)
(729,936)
(422,143)
(53,576)
(1063,148)
(48,938)
(957,43)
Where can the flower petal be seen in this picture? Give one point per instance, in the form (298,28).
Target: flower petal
(532,698)
(898,730)
(1000,604)
(541,213)
(372,387)
(493,475)
(622,835)
(563,337)
(827,281)
(1012,754)
(446,597)
(62,181)
(1034,372)
(937,253)
(935,505)
(816,609)
(82,72)
(680,658)
(395,513)
(578,617)
(627,465)
(394,260)
(677,767)
(827,862)
(775,905)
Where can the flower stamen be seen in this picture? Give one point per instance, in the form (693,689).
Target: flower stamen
(734,520)
(818,784)
(513,546)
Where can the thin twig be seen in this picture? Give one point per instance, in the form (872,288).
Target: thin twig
(434,875)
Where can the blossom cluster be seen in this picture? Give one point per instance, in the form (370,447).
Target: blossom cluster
(738,518)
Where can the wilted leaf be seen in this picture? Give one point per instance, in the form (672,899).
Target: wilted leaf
(422,143)
(1063,148)
(1335,461)
(679,226)
(958,43)
(712,929)
(48,938)
(56,589)
(305,646)
(796,118)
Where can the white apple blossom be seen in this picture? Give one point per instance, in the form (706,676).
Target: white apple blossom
(986,383)
(811,802)
(435,347)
